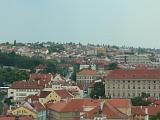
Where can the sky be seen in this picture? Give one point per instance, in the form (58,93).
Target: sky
(115,22)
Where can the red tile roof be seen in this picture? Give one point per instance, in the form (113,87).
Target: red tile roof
(134,74)
(119,102)
(63,93)
(112,112)
(73,105)
(38,106)
(37,76)
(44,94)
(140,110)
(33,98)
(88,72)
(27,85)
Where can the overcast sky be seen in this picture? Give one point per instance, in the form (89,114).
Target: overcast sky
(115,22)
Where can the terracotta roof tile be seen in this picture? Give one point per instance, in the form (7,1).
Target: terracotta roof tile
(44,94)
(37,76)
(112,112)
(140,110)
(27,85)
(88,72)
(134,74)
(119,102)
(63,93)
(73,105)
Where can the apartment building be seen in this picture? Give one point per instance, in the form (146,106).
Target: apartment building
(133,59)
(87,76)
(131,83)
(19,90)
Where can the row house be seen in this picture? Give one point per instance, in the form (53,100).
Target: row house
(132,82)
(89,109)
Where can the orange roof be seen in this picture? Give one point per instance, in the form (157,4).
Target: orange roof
(152,110)
(119,102)
(63,93)
(27,85)
(73,105)
(112,112)
(88,72)
(134,74)
(44,94)
(32,98)
(37,76)
(38,106)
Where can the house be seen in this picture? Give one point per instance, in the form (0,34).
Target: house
(35,109)
(144,112)
(87,76)
(85,109)
(19,90)
(46,96)
(128,83)
(69,110)
(38,76)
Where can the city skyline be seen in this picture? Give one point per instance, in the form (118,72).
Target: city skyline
(130,23)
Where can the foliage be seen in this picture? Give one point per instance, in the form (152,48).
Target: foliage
(8,76)
(113,66)
(75,71)
(155,117)
(139,101)
(11,59)
(2,94)
(55,48)
(98,90)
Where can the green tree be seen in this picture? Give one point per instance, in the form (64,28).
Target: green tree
(113,66)
(98,90)
(139,101)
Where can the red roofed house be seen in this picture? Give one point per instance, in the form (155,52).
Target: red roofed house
(130,83)
(85,109)
(87,76)
(19,90)
(144,112)
(47,96)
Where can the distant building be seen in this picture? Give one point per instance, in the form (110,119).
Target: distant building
(131,83)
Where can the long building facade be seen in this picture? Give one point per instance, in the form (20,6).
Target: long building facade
(131,83)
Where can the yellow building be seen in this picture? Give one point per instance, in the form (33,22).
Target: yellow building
(45,96)
(36,110)
(22,110)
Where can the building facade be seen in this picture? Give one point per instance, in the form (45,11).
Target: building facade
(131,83)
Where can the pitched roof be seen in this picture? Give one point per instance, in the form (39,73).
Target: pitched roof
(134,74)
(44,94)
(112,112)
(119,102)
(37,106)
(140,110)
(38,76)
(73,105)
(63,93)
(87,72)
(27,85)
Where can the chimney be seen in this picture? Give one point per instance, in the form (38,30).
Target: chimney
(38,82)
(146,114)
